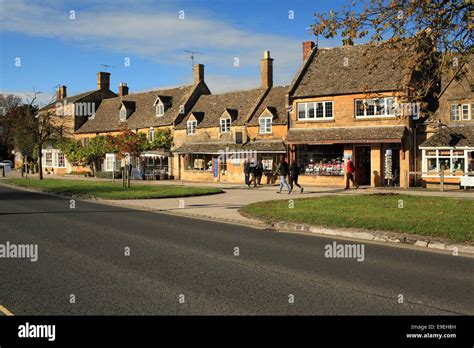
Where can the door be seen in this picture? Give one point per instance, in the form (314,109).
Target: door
(362,165)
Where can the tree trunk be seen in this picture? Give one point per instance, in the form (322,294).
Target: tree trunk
(40,163)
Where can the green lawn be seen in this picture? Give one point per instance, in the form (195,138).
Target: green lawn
(430,216)
(110,190)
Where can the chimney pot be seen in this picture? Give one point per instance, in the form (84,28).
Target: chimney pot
(307,48)
(123,89)
(267,70)
(103,81)
(61,92)
(198,73)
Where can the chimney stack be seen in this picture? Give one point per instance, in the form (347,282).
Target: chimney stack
(307,48)
(198,73)
(61,92)
(123,89)
(267,70)
(103,81)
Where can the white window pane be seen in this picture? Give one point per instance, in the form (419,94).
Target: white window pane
(454,112)
(310,110)
(465,112)
(360,108)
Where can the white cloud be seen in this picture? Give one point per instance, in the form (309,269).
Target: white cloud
(156,33)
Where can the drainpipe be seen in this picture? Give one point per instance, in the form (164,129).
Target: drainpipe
(415,153)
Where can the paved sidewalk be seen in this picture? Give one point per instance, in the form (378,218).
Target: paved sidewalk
(225,206)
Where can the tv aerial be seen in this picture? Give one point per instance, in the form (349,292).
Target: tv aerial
(107,66)
(191,55)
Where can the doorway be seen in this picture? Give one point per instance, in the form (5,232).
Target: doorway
(362,164)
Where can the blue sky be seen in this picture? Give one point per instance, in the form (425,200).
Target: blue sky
(55,49)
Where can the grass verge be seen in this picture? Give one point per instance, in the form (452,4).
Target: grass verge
(428,216)
(110,190)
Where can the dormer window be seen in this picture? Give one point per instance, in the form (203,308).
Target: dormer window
(160,109)
(265,124)
(225,124)
(123,114)
(191,127)
(151,134)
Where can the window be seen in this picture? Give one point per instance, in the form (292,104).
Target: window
(301,111)
(454,112)
(199,162)
(321,160)
(462,112)
(452,162)
(317,110)
(265,125)
(375,107)
(191,127)
(123,114)
(85,141)
(61,161)
(109,162)
(225,125)
(151,134)
(160,109)
(48,159)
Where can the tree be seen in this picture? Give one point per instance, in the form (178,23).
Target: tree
(162,140)
(33,128)
(436,33)
(95,151)
(9,105)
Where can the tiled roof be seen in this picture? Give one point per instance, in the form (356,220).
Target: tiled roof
(75,98)
(275,100)
(214,105)
(107,116)
(345,135)
(454,136)
(351,69)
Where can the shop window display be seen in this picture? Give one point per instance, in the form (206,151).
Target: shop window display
(321,160)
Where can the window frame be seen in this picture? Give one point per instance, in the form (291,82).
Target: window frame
(151,134)
(191,126)
(461,115)
(371,103)
(224,124)
(160,109)
(265,123)
(315,106)
(123,114)
(438,157)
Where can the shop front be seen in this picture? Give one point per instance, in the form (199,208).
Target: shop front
(153,165)
(449,155)
(322,155)
(224,162)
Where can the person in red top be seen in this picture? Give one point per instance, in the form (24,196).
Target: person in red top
(350,174)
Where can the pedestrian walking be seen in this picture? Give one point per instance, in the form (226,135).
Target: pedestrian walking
(294,174)
(252,168)
(259,172)
(283,170)
(247,172)
(350,174)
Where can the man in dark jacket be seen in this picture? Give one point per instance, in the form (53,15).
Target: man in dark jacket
(294,174)
(283,170)
(247,172)
(258,172)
